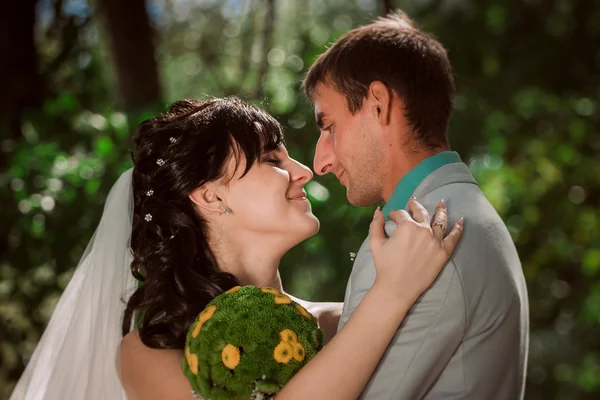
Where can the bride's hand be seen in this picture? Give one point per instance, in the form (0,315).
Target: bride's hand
(406,265)
(408,262)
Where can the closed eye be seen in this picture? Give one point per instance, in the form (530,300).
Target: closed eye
(272,161)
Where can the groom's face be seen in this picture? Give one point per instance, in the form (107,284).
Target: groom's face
(349,146)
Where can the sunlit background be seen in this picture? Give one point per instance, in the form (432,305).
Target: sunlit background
(77,76)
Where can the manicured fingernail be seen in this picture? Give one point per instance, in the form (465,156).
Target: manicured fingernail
(413,198)
(441,204)
(461,221)
(377,212)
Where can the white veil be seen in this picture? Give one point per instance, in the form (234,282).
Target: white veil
(76,357)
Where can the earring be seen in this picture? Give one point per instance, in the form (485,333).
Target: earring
(226,210)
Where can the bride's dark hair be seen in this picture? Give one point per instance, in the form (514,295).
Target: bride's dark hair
(174,154)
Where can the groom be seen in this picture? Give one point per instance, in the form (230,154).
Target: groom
(383,97)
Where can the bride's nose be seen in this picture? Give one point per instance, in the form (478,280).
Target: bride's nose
(301,173)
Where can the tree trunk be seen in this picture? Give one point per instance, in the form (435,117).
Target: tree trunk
(20,83)
(247,37)
(133,52)
(269,23)
(387,6)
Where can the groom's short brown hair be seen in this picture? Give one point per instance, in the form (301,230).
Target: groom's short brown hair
(395,51)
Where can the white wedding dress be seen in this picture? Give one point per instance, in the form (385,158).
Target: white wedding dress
(76,357)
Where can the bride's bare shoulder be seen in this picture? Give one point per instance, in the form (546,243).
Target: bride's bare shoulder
(148,373)
(327,315)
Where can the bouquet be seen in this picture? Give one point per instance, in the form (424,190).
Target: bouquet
(248,343)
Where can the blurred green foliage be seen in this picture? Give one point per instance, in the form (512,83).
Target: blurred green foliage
(526,120)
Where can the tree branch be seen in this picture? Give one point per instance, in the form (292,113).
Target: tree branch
(248,36)
(68,40)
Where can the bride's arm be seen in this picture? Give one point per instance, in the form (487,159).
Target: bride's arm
(344,366)
(342,369)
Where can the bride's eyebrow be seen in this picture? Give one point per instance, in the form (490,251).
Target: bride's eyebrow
(276,151)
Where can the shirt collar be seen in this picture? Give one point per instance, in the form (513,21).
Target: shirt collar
(408,184)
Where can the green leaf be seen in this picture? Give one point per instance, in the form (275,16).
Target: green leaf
(591,262)
(104,146)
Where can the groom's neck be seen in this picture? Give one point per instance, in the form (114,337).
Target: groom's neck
(400,162)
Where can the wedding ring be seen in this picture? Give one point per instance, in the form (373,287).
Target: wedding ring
(441,225)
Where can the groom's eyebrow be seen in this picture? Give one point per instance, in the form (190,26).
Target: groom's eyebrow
(320,116)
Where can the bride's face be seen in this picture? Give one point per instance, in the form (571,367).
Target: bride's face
(269,203)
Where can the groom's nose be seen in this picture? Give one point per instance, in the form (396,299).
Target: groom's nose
(324,155)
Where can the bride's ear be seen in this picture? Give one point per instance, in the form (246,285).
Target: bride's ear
(205,197)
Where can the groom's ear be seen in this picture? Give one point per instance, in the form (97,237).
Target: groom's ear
(205,197)
(381,101)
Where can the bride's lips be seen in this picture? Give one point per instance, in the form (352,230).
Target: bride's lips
(298,196)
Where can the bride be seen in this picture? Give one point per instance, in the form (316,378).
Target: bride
(214,201)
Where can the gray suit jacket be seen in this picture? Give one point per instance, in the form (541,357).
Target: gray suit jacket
(467,336)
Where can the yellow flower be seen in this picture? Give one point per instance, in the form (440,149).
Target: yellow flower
(270,290)
(204,316)
(192,361)
(187,354)
(197,328)
(303,311)
(230,356)
(288,336)
(282,299)
(283,353)
(207,313)
(233,289)
(299,352)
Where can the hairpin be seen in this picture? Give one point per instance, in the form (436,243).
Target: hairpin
(160,162)
(149,192)
(148,217)
(172,140)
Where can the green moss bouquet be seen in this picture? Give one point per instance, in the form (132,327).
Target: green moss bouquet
(247,343)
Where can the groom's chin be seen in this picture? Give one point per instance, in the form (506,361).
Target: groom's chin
(361,198)
(354,199)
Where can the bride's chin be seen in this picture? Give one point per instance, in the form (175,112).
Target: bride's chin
(313,226)
(307,228)
(317,226)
